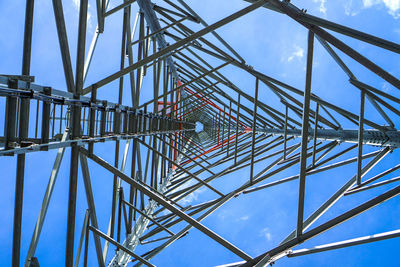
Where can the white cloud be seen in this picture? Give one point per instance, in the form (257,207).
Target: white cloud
(266,233)
(189,198)
(244,218)
(369,3)
(386,87)
(322,6)
(298,53)
(352,8)
(349,10)
(77,4)
(393,6)
(192,196)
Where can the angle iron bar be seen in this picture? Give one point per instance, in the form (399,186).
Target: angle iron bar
(91,205)
(182,168)
(213,32)
(201,217)
(186,155)
(352,77)
(63,42)
(326,226)
(23,133)
(309,172)
(178,44)
(119,7)
(346,243)
(304,135)
(82,238)
(338,194)
(148,217)
(45,202)
(118,245)
(133,239)
(360,137)
(295,13)
(160,199)
(380,175)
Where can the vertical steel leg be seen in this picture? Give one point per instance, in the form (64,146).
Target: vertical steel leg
(23,133)
(360,137)
(315,134)
(76,129)
(285,133)
(304,134)
(237,127)
(229,128)
(253,134)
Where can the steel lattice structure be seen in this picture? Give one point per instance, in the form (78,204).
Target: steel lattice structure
(169,50)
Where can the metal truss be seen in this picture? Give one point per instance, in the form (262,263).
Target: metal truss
(169,50)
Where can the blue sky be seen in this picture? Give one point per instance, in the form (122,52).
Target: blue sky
(271,43)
